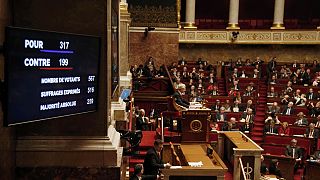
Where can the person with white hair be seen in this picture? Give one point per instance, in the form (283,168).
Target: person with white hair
(181,89)
(295,152)
(288,110)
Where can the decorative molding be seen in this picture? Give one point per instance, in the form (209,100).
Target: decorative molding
(69,151)
(157,29)
(251,37)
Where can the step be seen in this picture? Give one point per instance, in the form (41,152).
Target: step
(258,129)
(257,139)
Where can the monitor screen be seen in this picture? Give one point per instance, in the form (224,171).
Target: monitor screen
(49,74)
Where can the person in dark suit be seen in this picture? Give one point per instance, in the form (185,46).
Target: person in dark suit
(216,107)
(295,152)
(288,110)
(138,171)
(316,155)
(246,127)
(221,115)
(138,174)
(142,122)
(270,128)
(301,121)
(178,96)
(312,132)
(153,161)
(182,62)
(248,116)
(311,95)
(273,168)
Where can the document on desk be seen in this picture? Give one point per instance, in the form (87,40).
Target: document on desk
(175,167)
(195,164)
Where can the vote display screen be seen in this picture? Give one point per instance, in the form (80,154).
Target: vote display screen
(49,74)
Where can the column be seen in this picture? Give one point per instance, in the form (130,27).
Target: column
(236,166)
(233,15)
(257,165)
(278,14)
(124,38)
(190,14)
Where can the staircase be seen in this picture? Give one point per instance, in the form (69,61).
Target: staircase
(257,132)
(221,82)
(147,141)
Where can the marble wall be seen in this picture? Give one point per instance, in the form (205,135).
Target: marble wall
(163,47)
(284,53)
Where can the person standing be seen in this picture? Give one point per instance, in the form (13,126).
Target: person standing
(153,161)
(295,152)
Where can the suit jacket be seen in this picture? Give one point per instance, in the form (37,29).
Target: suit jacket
(315,133)
(289,152)
(141,124)
(304,122)
(215,107)
(218,116)
(284,112)
(244,116)
(313,97)
(271,109)
(267,129)
(152,163)
(179,100)
(245,127)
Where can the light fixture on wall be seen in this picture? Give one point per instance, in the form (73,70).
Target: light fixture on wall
(147,29)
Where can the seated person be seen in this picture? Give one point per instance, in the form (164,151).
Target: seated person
(316,155)
(142,122)
(273,168)
(285,99)
(214,126)
(235,107)
(288,110)
(302,100)
(270,128)
(247,116)
(312,132)
(221,115)
(231,125)
(272,117)
(248,91)
(274,108)
(317,122)
(178,96)
(137,174)
(295,152)
(227,106)
(245,107)
(284,130)
(301,121)
(246,127)
(153,160)
(216,107)
(272,93)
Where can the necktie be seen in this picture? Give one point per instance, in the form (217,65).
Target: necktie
(311,134)
(310,97)
(293,151)
(248,118)
(288,111)
(271,129)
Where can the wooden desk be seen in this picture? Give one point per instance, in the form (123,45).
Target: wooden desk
(195,125)
(312,170)
(212,167)
(233,145)
(286,165)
